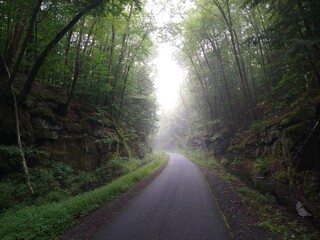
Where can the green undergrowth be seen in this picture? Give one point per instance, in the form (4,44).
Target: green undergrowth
(58,181)
(272,219)
(202,159)
(50,220)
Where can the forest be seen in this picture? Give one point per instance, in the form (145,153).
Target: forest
(78,102)
(251,95)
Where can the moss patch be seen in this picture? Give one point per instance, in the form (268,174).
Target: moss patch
(296,133)
(299,115)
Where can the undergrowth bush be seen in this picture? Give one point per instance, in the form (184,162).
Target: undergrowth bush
(83,179)
(59,181)
(261,166)
(43,181)
(7,190)
(64,174)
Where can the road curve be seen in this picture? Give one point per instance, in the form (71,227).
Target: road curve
(176,205)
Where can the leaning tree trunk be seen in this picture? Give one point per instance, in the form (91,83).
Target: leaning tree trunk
(21,152)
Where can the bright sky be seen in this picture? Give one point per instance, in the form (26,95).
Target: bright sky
(169,74)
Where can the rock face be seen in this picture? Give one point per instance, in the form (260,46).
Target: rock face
(279,155)
(83,138)
(281,139)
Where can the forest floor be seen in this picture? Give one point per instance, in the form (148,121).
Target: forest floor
(248,217)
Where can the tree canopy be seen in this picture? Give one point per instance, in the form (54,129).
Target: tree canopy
(95,50)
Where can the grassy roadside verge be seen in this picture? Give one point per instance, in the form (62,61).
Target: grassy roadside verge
(49,221)
(199,158)
(264,207)
(273,219)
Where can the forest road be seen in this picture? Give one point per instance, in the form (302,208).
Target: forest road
(176,205)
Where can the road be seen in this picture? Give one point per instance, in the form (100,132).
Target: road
(176,205)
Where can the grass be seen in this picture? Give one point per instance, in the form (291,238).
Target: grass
(272,219)
(199,158)
(228,176)
(202,160)
(50,220)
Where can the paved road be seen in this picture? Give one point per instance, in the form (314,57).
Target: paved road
(176,205)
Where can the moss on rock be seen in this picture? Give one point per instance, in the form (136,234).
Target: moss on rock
(299,115)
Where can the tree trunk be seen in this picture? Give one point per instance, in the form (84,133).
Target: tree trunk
(21,152)
(77,66)
(203,87)
(215,46)
(128,71)
(253,81)
(206,88)
(66,60)
(107,101)
(198,100)
(187,113)
(236,52)
(122,54)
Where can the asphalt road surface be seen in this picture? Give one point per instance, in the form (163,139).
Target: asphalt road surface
(176,205)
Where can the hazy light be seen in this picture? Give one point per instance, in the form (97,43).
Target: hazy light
(168,74)
(168,77)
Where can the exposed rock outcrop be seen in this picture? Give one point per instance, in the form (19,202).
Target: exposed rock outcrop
(84,138)
(279,155)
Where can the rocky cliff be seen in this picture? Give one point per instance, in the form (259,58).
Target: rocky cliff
(83,138)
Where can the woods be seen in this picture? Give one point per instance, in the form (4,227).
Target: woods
(79,107)
(252,92)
